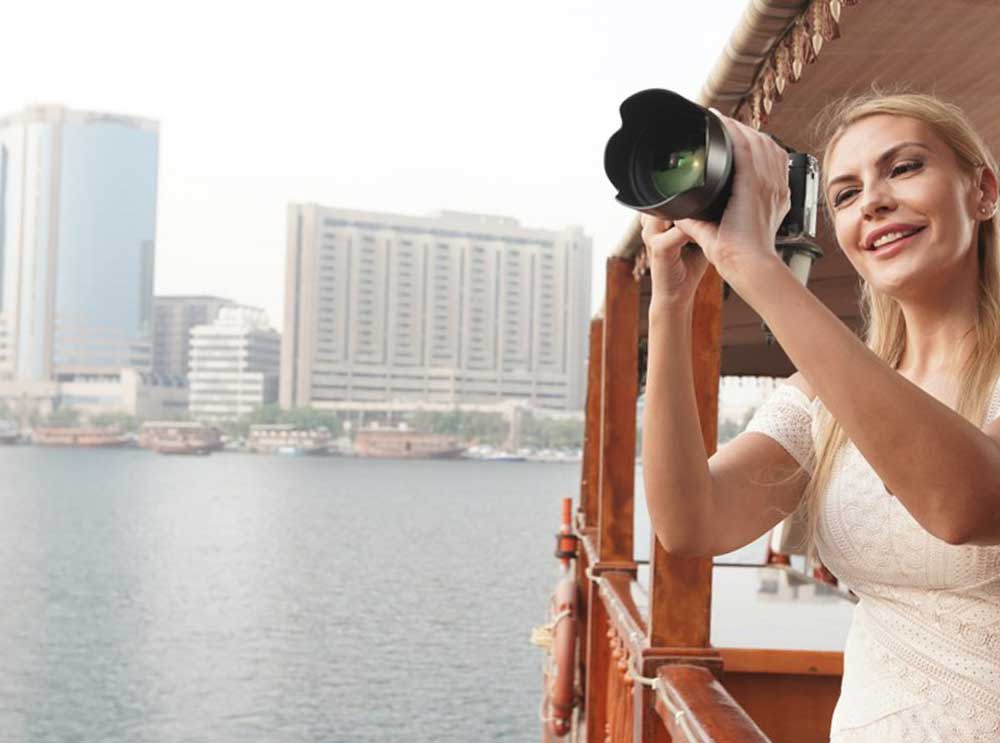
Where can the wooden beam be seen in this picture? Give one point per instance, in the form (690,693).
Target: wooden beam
(772,660)
(696,708)
(680,595)
(598,659)
(786,706)
(590,475)
(619,393)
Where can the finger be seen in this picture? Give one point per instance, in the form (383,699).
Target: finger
(769,156)
(652,233)
(698,231)
(668,241)
(652,224)
(767,160)
(743,153)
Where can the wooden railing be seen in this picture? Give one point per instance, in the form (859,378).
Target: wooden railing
(656,678)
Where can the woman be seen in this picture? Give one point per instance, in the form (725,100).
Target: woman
(891,445)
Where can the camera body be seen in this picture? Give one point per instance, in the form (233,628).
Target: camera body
(803,183)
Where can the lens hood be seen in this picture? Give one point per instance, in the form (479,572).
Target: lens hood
(657,126)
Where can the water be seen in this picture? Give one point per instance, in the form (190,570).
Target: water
(242,598)
(266,599)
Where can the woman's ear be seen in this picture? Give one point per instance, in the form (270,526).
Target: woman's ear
(987,189)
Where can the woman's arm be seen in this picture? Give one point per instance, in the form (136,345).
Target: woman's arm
(698,506)
(675,471)
(941,467)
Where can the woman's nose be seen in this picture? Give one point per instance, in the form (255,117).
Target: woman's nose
(877,199)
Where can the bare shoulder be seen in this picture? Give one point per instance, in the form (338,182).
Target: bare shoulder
(799,382)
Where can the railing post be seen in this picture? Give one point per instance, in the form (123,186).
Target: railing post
(589,480)
(619,393)
(614,377)
(590,477)
(680,590)
(598,659)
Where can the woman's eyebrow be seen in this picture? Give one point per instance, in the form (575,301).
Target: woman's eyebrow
(887,155)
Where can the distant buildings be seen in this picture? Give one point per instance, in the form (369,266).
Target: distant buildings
(453,308)
(381,309)
(234,365)
(173,318)
(77,230)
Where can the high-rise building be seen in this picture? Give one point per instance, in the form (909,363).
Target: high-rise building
(452,308)
(234,365)
(173,318)
(77,230)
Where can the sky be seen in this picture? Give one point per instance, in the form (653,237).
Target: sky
(403,107)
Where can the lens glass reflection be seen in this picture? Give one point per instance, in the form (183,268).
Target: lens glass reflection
(680,170)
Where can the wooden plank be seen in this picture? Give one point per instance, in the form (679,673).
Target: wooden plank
(649,727)
(691,700)
(619,393)
(681,588)
(789,708)
(598,658)
(797,662)
(590,474)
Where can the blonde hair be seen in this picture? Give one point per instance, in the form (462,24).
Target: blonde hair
(884,327)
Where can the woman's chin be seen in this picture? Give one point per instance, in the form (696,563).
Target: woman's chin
(896,284)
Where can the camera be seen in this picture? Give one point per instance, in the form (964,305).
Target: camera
(674,159)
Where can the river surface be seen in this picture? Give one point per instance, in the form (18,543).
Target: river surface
(240,598)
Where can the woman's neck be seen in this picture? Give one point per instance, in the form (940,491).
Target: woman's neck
(940,331)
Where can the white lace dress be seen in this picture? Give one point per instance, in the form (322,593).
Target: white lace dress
(922,660)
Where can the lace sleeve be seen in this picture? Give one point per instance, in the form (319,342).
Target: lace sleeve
(786,417)
(993,408)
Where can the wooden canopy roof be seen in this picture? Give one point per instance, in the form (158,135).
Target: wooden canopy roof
(787,59)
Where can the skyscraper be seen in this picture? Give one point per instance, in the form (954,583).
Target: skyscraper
(77,231)
(450,308)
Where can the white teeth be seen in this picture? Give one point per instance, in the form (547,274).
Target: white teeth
(889,237)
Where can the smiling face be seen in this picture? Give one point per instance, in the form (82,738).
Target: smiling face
(904,210)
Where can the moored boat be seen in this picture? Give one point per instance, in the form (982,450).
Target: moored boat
(10,433)
(288,439)
(91,437)
(402,443)
(180,437)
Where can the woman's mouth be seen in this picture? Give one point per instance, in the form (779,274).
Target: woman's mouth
(892,242)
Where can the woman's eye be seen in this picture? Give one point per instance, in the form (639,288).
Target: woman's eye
(905,167)
(843,196)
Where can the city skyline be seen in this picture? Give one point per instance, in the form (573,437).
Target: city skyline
(488,110)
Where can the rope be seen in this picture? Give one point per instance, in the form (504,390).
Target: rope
(680,715)
(542,635)
(543,715)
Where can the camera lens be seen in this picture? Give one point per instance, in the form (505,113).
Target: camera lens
(676,171)
(671,157)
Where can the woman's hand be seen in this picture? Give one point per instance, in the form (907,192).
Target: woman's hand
(759,202)
(675,270)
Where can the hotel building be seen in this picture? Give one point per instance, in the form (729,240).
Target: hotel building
(451,308)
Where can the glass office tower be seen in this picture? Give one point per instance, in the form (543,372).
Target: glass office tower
(77,243)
